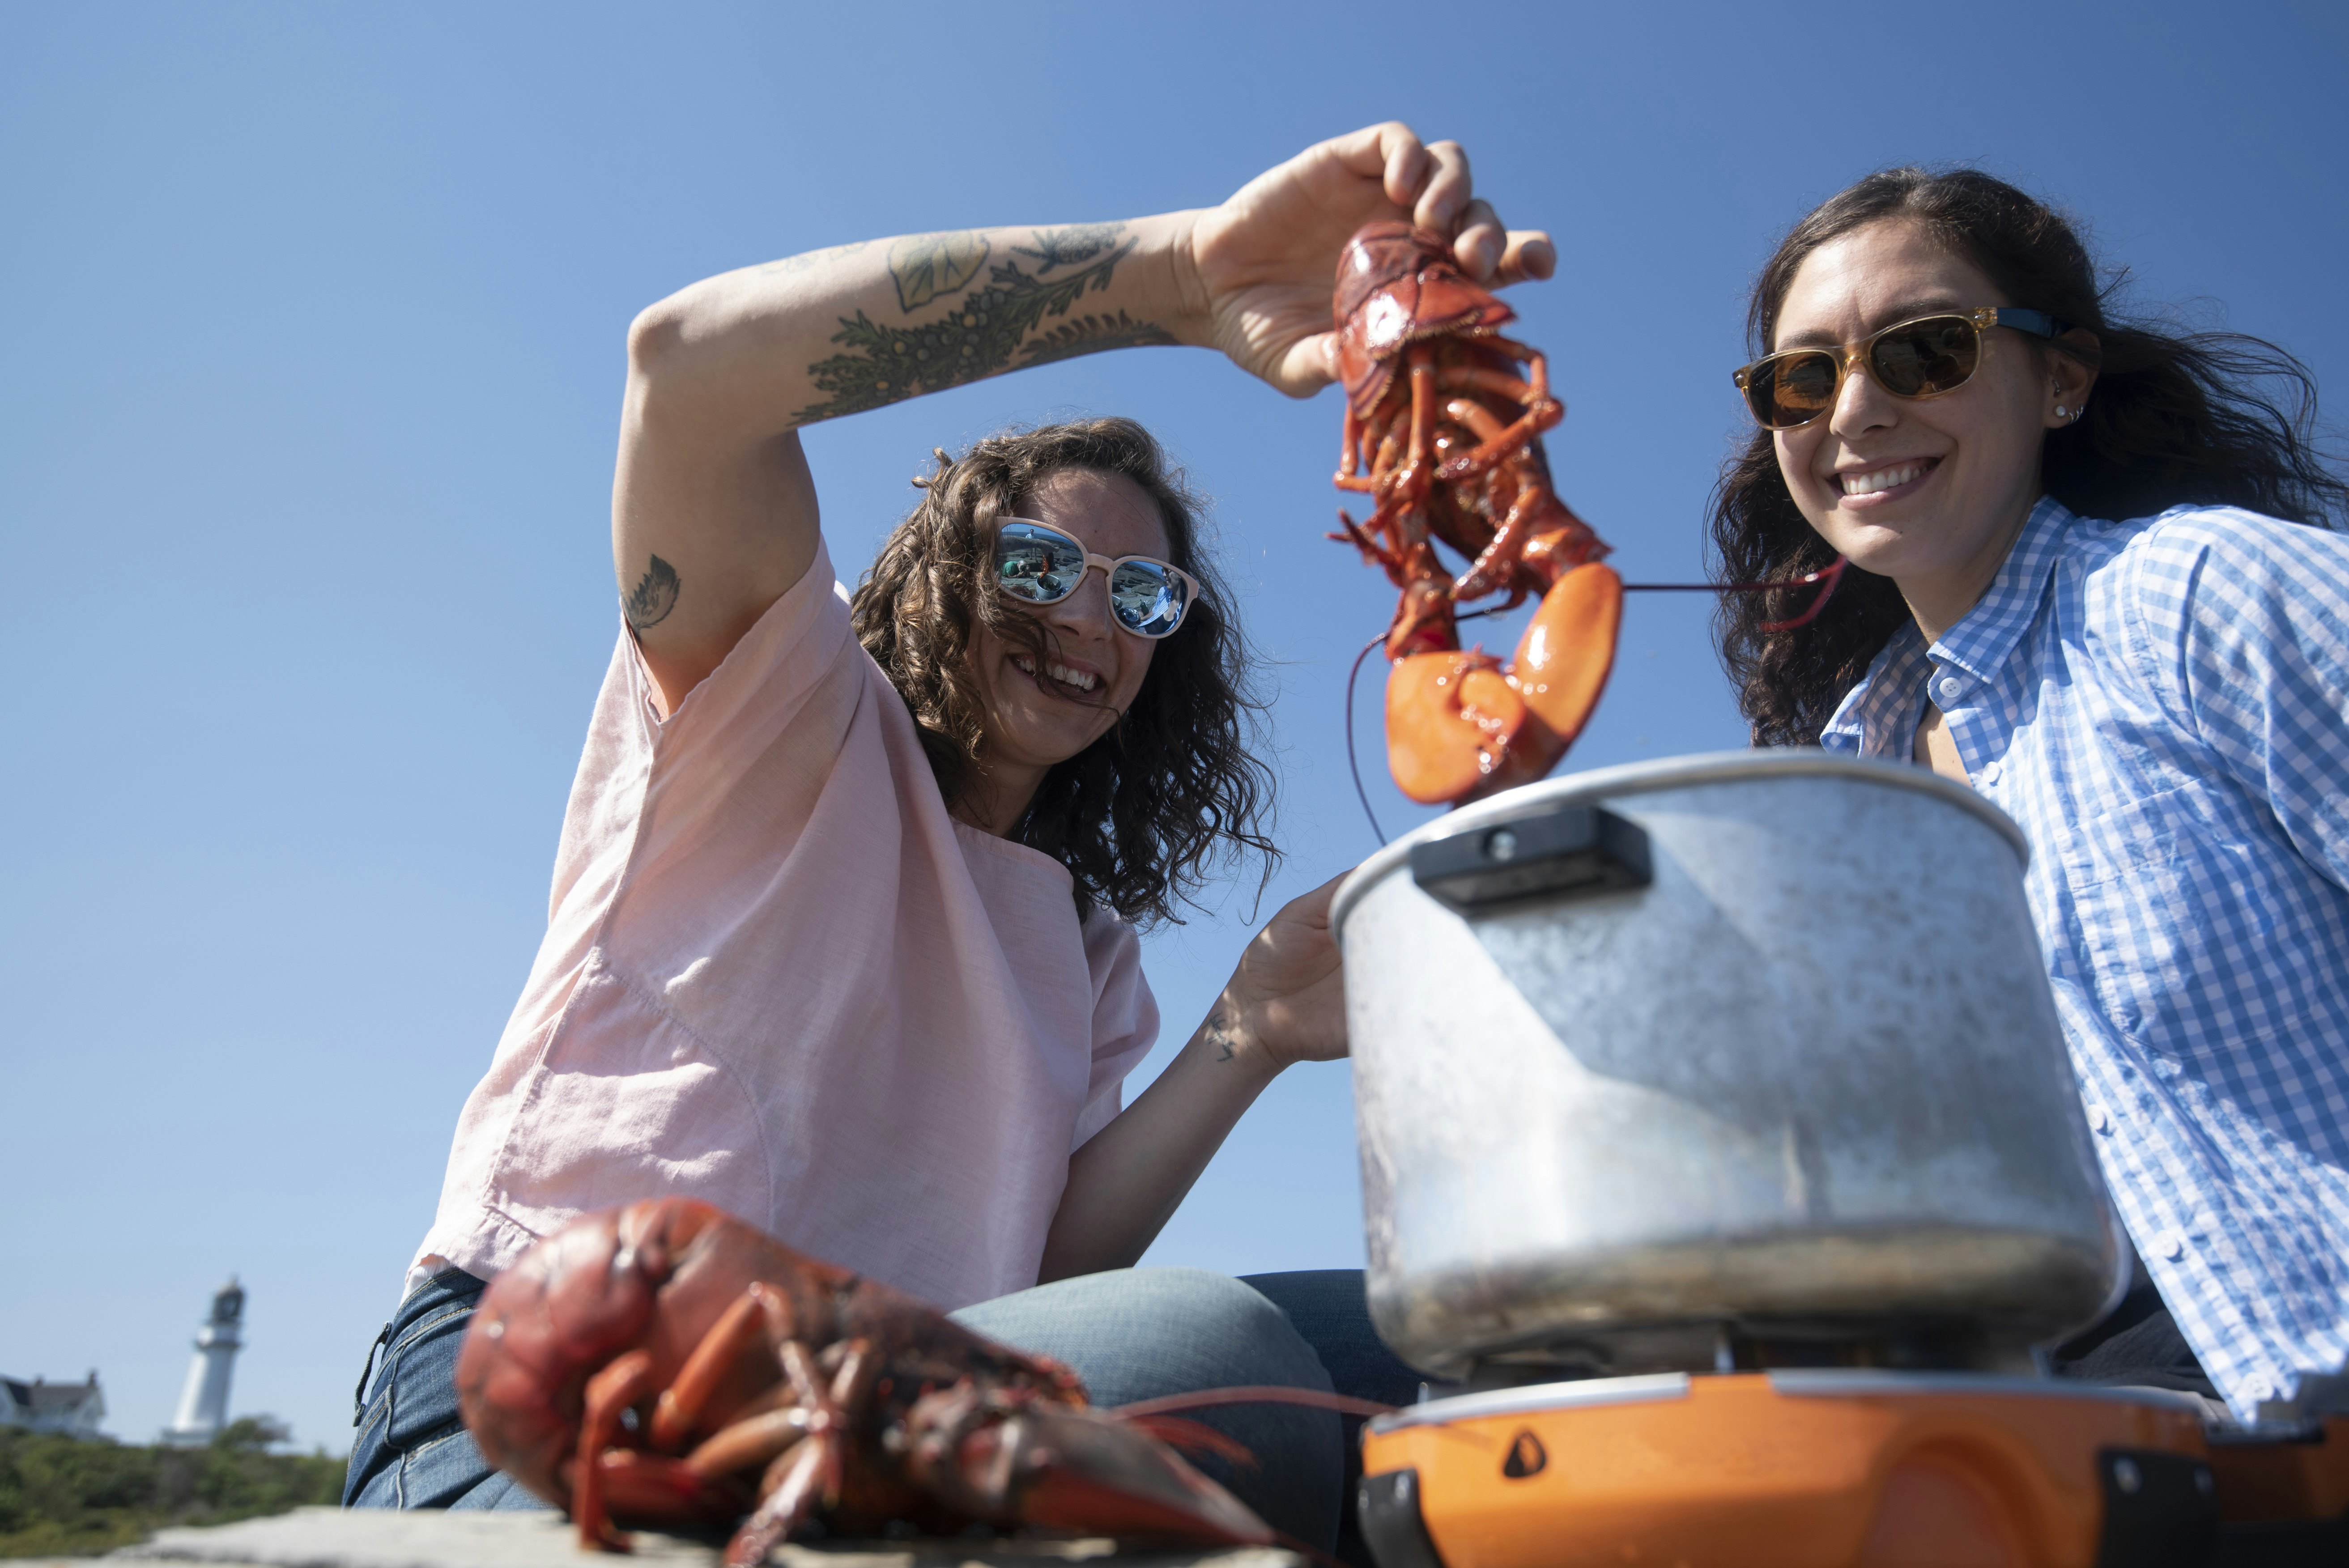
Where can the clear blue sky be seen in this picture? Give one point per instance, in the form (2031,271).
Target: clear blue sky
(314,324)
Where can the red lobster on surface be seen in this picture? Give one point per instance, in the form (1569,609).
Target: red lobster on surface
(1445,434)
(667,1364)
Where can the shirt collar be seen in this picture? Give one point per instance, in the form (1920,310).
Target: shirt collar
(1982,640)
(1878,717)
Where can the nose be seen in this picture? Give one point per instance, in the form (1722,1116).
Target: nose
(1860,404)
(1085,613)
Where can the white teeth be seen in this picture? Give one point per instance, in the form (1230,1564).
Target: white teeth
(1881,479)
(1082,679)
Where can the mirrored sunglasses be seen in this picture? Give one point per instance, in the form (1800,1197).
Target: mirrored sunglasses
(1036,564)
(1919,358)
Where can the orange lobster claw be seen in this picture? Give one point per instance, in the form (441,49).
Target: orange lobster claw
(1463,725)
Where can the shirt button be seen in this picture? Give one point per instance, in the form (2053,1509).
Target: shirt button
(2097,1120)
(2169,1244)
(1989,773)
(1948,687)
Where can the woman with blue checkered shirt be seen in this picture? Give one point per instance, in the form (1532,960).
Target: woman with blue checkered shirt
(2093,579)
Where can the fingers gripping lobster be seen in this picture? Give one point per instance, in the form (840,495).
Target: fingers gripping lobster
(1445,433)
(667,1364)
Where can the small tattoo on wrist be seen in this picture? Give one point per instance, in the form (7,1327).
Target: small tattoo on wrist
(1220,1035)
(655,595)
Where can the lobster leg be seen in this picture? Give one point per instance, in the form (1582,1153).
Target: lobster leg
(1497,561)
(655,1488)
(1403,477)
(809,1472)
(627,1380)
(729,1339)
(753,1441)
(1348,458)
(791,1487)
(1539,417)
(1375,553)
(1491,569)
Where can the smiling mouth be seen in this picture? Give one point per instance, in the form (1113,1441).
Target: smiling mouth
(1060,674)
(1892,477)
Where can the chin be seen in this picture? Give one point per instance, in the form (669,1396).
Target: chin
(1050,743)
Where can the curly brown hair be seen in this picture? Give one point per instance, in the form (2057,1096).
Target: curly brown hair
(2177,418)
(1175,786)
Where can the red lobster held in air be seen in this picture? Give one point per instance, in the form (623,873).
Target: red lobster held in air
(1445,434)
(667,1364)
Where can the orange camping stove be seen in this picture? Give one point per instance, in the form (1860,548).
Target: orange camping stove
(1813,1468)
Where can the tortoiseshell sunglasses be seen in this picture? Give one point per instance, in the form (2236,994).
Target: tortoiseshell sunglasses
(1919,358)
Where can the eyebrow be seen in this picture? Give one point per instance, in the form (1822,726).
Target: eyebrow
(1907,310)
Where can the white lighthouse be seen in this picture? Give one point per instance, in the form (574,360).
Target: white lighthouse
(203,1403)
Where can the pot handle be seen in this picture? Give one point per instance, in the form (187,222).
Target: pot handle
(1573,851)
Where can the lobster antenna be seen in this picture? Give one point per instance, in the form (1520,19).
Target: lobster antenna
(1354,763)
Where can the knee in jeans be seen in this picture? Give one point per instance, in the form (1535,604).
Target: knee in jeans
(1254,1333)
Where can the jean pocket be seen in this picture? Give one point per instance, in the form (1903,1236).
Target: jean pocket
(419,1377)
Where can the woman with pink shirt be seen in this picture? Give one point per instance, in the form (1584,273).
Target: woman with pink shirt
(841,931)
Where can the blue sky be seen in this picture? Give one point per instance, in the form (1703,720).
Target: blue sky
(314,319)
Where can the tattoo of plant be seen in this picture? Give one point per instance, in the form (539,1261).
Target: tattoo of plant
(1068,247)
(1092,335)
(981,335)
(655,595)
(928,265)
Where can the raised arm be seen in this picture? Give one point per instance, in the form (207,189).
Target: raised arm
(714,516)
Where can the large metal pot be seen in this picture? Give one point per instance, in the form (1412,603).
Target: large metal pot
(1757,1044)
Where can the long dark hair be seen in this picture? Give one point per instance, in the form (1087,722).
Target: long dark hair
(1139,816)
(2177,418)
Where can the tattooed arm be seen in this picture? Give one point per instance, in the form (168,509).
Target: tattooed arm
(714,514)
(1285,1004)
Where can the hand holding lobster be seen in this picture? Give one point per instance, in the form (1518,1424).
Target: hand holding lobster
(1444,434)
(667,1364)
(1255,269)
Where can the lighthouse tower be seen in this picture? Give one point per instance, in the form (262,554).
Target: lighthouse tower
(203,1403)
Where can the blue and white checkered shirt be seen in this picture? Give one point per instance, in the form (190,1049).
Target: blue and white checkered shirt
(2163,705)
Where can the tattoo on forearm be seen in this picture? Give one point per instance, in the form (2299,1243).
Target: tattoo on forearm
(1070,246)
(655,595)
(988,330)
(1218,1032)
(1092,335)
(928,265)
(790,265)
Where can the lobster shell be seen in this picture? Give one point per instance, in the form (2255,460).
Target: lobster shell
(1396,286)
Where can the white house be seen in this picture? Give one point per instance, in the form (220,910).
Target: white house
(41,1405)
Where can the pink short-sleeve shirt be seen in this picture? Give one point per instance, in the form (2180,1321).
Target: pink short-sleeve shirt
(779,977)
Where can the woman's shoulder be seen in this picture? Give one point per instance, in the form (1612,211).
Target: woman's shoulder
(2202,561)
(2205,595)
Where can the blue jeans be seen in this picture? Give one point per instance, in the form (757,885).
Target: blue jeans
(1134,1334)
(412,1449)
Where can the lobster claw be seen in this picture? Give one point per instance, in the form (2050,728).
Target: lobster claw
(1461,725)
(1023,1462)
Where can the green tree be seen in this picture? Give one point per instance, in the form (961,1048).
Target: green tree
(64,1497)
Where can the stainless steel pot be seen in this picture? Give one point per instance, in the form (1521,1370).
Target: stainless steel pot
(1757,1044)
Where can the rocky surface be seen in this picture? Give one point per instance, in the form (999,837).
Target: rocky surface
(334,1538)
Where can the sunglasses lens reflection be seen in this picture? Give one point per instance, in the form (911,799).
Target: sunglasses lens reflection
(1036,564)
(1926,356)
(1149,599)
(1792,388)
(1915,359)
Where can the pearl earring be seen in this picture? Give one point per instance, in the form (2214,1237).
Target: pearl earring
(2062,412)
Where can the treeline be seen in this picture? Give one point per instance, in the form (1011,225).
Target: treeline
(67,1497)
